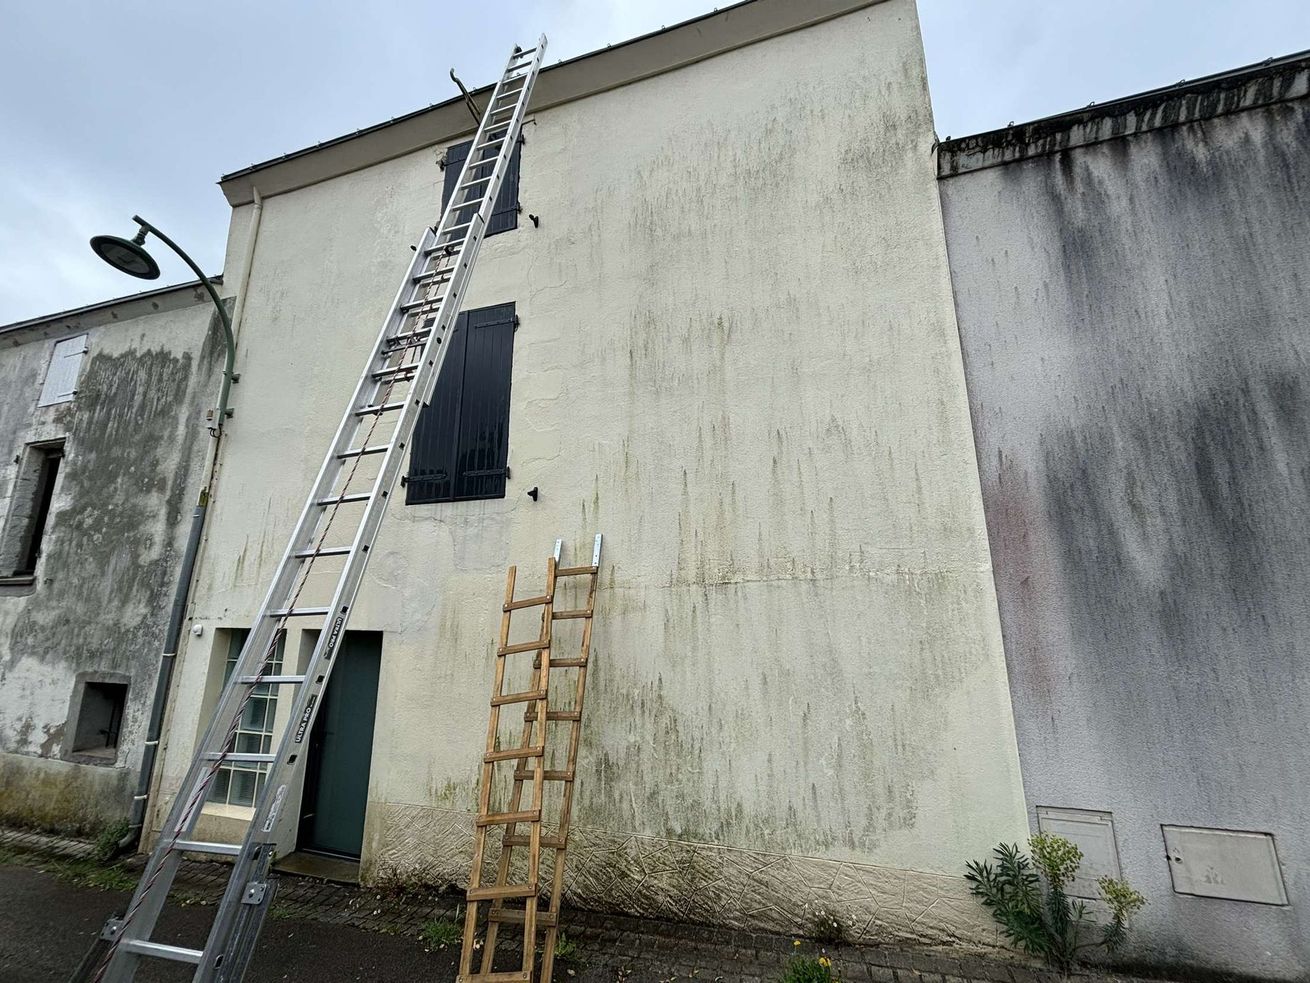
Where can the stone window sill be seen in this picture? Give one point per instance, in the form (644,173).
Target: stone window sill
(27,580)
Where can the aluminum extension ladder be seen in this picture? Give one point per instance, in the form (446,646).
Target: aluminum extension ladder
(336,530)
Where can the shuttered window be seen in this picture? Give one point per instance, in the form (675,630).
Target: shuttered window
(461,444)
(65,366)
(505,211)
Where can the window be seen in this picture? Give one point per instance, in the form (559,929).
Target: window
(65,366)
(505,210)
(461,444)
(239,784)
(99,719)
(29,509)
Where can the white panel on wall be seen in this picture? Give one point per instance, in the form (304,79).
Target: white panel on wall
(1224,863)
(1093,833)
(65,366)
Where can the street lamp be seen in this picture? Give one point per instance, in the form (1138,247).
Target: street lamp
(130,257)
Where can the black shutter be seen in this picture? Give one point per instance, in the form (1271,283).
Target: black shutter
(435,445)
(484,410)
(505,210)
(461,443)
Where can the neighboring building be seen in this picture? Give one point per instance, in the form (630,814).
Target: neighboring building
(1133,293)
(102,447)
(730,347)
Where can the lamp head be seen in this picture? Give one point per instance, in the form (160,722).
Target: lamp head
(127,255)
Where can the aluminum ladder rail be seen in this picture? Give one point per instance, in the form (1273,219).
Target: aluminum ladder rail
(422,315)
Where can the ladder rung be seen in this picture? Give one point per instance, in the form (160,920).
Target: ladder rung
(536,646)
(323,551)
(418,305)
(525,697)
(345,499)
(490,143)
(298,612)
(512,916)
(548,774)
(177,953)
(198,846)
(361,451)
(528,602)
(567,663)
(506,818)
(507,93)
(408,336)
(377,408)
(502,109)
(501,891)
(434,274)
(272,680)
(575,571)
(469,184)
(240,757)
(513,976)
(511,753)
(555,714)
(523,54)
(563,615)
(394,370)
(525,839)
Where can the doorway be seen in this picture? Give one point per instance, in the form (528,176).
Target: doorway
(340,750)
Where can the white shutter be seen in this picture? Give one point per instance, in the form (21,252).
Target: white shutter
(65,366)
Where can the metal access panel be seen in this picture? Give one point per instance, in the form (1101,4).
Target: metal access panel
(1093,833)
(1224,863)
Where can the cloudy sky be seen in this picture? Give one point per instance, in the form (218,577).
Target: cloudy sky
(111,109)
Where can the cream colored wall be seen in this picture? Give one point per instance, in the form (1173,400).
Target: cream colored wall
(738,360)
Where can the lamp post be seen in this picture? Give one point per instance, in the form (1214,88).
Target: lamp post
(129,256)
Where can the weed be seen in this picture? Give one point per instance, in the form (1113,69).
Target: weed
(106,843)
(566,950)
(1028,899)
(440,932)
(809,969)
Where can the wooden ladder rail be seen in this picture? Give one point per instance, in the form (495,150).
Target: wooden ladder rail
(535,752)
(549,920)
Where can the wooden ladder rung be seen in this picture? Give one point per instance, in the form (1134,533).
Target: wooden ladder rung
(537,646)
(554,715)
(528,602)
(511,753)
(502,891)
(523,839)
(575,571)
(506,818)
(512,916)
(525,697)
(567,663)
(564,615)
(513,977)
(548,774)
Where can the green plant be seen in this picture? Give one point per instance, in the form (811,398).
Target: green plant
(825,927)
(809,969)
(106,844)
(1028,898)
(566,950)
(441,932)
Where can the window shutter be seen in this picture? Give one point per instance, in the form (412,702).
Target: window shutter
(505,210)
(460,447)
(435,444)
(484,411)
(65,366)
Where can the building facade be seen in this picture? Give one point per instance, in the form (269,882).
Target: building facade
(1132,294)
(102,447)
(721,333)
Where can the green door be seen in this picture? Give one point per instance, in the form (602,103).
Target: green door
(340,749)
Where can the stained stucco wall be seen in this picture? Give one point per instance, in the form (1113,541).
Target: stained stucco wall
(133,452)
(1134,321)
(738,360)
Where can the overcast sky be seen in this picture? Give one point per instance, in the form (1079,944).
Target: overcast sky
(116,108)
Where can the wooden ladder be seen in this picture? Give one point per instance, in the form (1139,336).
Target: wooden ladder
(528,759)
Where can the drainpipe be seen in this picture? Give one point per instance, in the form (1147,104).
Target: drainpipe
(164,680)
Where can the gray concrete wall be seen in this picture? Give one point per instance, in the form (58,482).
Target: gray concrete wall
(1135,330)
(133,456)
